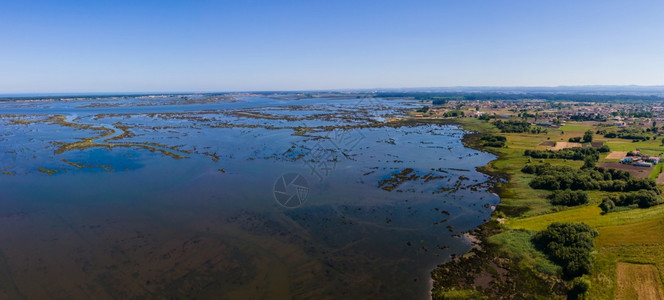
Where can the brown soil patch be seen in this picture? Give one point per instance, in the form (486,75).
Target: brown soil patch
(616,155)
(638,172)
(563,145)
(548,143)
(660,178)
(638,282)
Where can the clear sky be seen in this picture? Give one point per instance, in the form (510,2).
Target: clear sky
(149,46)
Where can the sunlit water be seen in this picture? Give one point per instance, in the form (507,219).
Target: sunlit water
(127,222)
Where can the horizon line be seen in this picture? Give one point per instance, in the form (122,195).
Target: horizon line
(128,93)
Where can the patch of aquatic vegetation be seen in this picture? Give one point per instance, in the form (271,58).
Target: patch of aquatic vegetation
(106,168)
(358,115)
(116,132)
(126,133)
(156,101)
(397,180)
(23,119)
(7,172)
(129,130)
(50,172)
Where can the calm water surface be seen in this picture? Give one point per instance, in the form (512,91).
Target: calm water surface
(123,218)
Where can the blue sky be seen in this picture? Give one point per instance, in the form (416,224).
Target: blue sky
(149,46)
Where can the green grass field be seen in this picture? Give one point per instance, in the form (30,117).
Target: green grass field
(633,235)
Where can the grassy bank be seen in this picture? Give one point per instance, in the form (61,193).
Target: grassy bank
(507,258)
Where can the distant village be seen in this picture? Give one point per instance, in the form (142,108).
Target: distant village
(551,114)
(635,121)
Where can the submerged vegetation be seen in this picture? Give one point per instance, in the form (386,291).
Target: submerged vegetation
(143,201)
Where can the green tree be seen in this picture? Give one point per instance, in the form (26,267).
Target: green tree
(569,245)
(589,162)
(607,206)
(588,136)
(580,288)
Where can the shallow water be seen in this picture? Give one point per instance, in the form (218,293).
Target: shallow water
(189,203)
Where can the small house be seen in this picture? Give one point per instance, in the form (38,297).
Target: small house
(642,164)
(476,114)
(626,160)
(653,159)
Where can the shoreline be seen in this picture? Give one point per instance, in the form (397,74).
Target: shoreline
(481,253)
(485,271)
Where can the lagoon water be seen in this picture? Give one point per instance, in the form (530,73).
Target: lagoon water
(190,203)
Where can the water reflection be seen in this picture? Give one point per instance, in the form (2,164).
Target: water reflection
(132,222)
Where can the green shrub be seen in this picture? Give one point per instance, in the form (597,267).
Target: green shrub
(642,198)
(588,178)
(568,198)
(576,153)
(569,245)
(493,140)
(588,136)
(634,134)
(607,206)
(580,287)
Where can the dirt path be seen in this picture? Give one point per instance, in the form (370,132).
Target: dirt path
(637,281)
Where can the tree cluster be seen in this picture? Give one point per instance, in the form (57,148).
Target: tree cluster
(493,140)
(569,245)
(629,134)
(643,198)
(454,113)
(588,136)
(538,130)
(568,197)
(512,126)
(563,177)
(576,153)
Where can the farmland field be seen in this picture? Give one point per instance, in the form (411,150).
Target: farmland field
(638,281)
(628,236)
(635,171)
